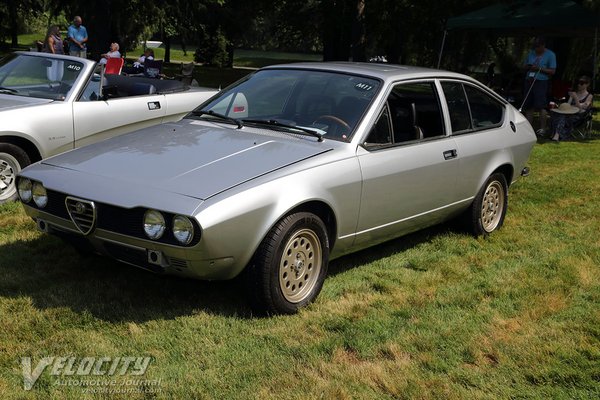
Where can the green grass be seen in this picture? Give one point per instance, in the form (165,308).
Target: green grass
(437,314)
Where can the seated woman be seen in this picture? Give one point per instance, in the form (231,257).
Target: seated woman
(113,53)
(138,66)
(564,118)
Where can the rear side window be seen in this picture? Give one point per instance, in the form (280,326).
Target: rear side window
(460,117)
(485,111)
(471,109)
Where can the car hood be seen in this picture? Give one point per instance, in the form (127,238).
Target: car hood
(8,102)
(194,158)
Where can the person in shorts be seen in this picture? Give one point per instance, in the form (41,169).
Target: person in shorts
(539,65)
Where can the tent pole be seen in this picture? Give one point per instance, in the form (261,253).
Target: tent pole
(442,49)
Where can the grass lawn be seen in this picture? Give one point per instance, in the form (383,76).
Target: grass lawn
(437,314)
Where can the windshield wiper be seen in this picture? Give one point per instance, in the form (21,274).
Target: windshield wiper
(273,122)
(6,90)
(221,116)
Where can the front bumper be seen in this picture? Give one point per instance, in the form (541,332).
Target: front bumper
(147,254)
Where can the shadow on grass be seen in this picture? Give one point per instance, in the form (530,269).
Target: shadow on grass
(53,275)
(391,247)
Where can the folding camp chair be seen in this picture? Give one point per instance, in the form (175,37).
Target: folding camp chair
(187,74)
(582,127)
(114,66)
(153,68)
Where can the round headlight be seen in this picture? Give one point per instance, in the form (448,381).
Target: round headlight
(40,197)
(183,229)
(154,224)
(25,190)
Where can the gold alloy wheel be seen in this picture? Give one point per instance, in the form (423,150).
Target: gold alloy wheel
(492,206)
(300,265)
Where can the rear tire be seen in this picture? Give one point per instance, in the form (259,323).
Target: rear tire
(12,160)
(488,210)
(288,269)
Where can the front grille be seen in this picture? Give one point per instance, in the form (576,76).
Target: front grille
(122,220)
(82,213)
(125,221)
(56,204)
(178,263)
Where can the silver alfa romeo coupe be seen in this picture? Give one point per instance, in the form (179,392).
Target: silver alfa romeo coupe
(285,170)
(51,103)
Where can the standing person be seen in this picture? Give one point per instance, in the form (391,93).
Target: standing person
(113,53)
(77,36)
(53,43)
(539,65)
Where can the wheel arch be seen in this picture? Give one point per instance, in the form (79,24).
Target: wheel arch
(322,210)
(507,170)
(28,146)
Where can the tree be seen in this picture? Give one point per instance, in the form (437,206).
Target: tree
(12,17)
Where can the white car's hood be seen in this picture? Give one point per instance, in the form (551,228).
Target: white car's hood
(190,158)
(8,102)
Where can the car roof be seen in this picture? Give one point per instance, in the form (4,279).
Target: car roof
(382,71)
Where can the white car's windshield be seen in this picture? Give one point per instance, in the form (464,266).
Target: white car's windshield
(329,104)
(41,77)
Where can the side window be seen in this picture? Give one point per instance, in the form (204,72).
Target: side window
(415,112)
(381,133)
(460,117)
(93,88)
(471,109)
(485,111)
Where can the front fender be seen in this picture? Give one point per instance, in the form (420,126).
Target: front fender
(235,222)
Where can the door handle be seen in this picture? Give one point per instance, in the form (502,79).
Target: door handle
(154,105)
(449,154)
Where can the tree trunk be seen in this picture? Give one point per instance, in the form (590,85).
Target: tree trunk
(14,26)
(167,49)
(337,29)
(359,39)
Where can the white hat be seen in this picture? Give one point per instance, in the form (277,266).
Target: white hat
(565,108)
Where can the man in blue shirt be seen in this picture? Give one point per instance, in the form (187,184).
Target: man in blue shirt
(539,66)
(77,36)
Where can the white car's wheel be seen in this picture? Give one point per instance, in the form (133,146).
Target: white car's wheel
(289,267)
(12,160)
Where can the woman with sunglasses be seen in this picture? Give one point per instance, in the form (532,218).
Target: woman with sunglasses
(564,118)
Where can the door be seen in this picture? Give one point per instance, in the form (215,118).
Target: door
(95,119)
(409,166)
(479,128)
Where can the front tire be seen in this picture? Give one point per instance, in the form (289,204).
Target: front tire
(288,269)
(488,210)
(12,160)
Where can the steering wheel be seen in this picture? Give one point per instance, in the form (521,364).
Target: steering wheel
(334,119)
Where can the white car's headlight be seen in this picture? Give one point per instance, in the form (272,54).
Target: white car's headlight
(183,229)
(40,197)
(154,224)
(25,190)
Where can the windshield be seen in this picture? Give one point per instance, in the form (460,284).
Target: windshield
(41,77)
(328,103)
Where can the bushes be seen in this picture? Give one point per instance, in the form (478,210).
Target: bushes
(214,50)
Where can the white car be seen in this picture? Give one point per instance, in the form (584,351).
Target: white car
(52,103)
